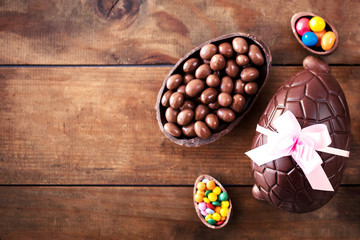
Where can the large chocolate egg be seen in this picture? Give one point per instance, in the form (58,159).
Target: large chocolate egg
(314,97)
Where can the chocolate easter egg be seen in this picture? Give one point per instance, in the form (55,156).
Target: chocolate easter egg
(206,72)
(314,97)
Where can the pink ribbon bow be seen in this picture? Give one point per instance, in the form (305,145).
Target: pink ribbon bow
(301,144)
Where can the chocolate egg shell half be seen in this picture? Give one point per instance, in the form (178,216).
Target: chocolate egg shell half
(201,177)
(313,96)
(328,27)
(224,127)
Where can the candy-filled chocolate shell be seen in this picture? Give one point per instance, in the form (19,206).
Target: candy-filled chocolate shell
(195,90)
(314,97)
(328,27)
(201,177)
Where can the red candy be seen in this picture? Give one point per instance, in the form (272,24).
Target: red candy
(209,205)
(302,26)
(219,222)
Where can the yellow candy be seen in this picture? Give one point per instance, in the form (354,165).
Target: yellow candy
(225,204)
(205,199)
(217,209)
(201,193)
(210,185)
(217,190)
(216,217)
(208,217)
(317,24)
(212,197)
(198,198)
(201,186)
(224,212)
(328,40)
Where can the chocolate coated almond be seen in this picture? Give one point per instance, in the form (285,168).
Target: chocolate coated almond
(202,130)
(240,45)
(226,114)
(255,55)
(209,95)
(191,65)
(172,129)
(194,87)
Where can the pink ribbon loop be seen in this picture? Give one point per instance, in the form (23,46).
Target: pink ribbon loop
(301,145)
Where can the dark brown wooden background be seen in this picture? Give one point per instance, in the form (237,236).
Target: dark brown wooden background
(81,154)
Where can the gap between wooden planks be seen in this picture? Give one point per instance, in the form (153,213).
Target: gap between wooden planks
(96,125)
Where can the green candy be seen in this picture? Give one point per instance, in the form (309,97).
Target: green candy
(223,196)
(216,203)
(207,193)
(211,221)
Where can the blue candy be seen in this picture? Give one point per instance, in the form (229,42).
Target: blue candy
(209,211)
(309,39)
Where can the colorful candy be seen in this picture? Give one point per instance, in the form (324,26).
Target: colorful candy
(309,39)
(210,211)
(207,193)
(302,26)
(317,24)
(216,203)
(225,204)
(223,196)
(201,186)
(198,198)
(328,40)
(216,217)
(212,197)
(213,203)
(319,36)
(224,212)
(312,32)
(210,185)
(217,190)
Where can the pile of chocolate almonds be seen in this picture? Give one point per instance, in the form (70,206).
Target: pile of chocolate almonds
(211,88)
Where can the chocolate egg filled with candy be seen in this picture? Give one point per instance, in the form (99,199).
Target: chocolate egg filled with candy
(218,82)
(289,179)
(309,29)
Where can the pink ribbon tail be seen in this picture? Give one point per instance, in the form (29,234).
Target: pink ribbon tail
(318,180)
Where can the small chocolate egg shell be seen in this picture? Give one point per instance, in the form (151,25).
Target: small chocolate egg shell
(313,96)
(224,128)
(201,177)
(328,27)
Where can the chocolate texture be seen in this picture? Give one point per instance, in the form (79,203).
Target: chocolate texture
(314,97)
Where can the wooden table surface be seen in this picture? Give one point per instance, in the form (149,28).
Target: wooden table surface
(82,156)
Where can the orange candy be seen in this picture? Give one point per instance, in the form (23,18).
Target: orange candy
(217,209)
(328,40)
(201,186)
(198,198)
(201,193)
(210,185)
(319,36)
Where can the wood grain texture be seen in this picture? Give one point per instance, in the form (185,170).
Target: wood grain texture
(157,31)
(97,125)
(163,213)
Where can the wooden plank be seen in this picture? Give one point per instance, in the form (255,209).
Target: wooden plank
(66,125)
(163,213)
(156,31)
